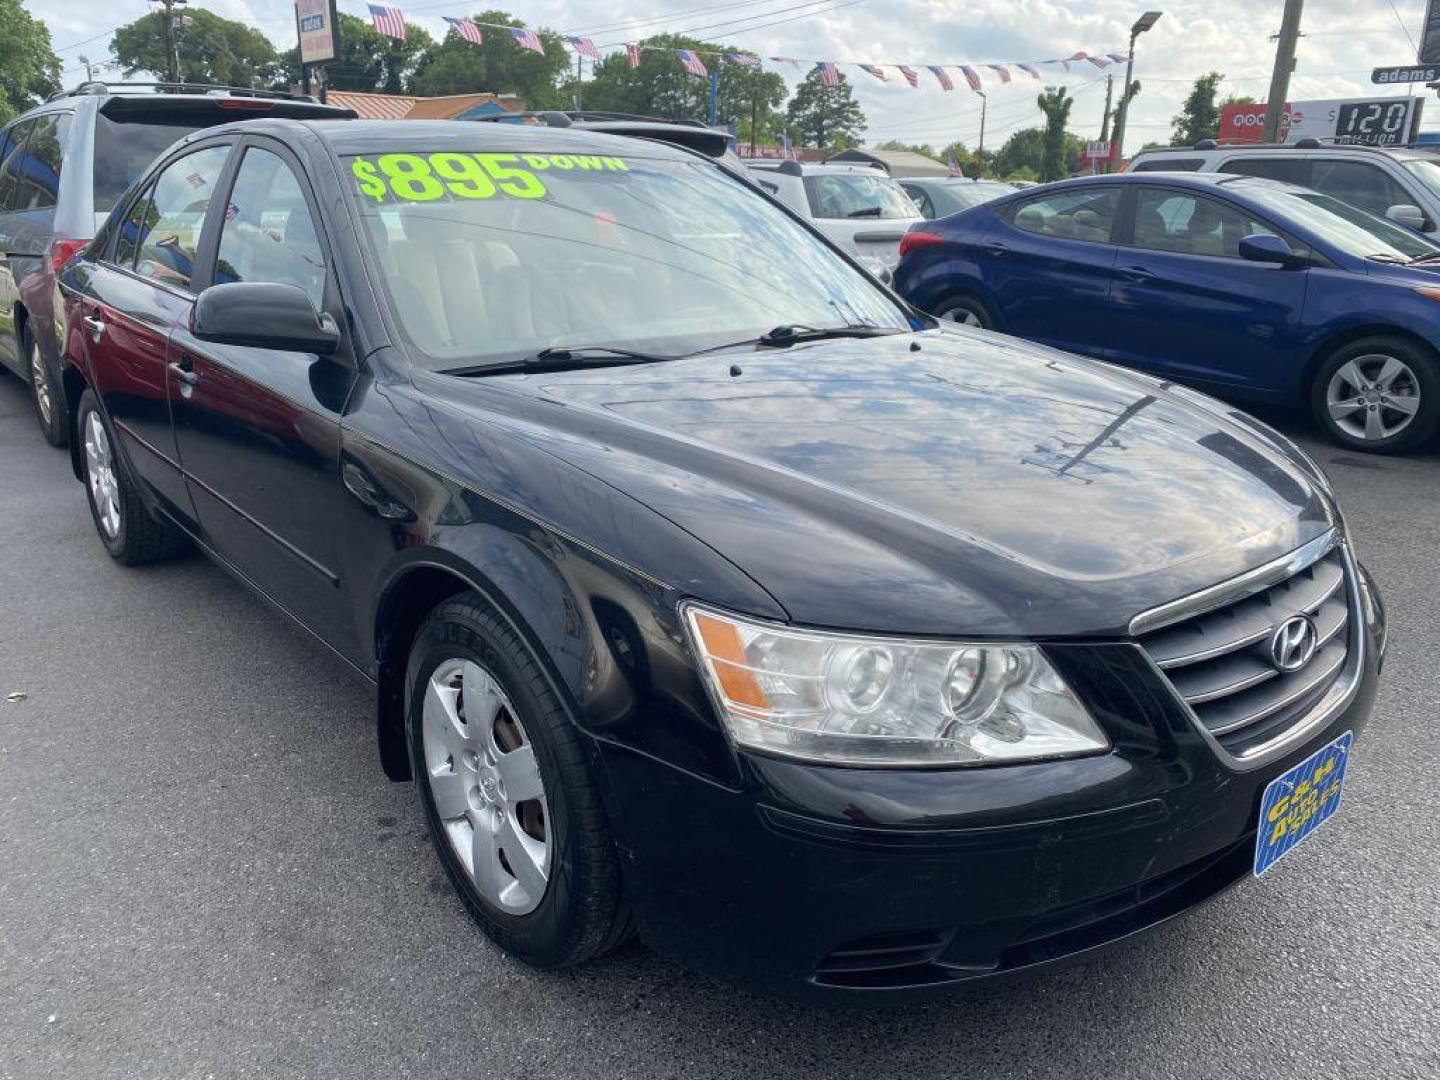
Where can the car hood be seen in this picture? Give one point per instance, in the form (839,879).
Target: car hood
(951,482)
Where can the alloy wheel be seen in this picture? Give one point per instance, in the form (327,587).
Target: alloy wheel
(100,469)
(486,785)
(1373,397)
(962,315)
(41,385)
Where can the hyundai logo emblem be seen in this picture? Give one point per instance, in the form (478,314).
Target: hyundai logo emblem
(1293,643)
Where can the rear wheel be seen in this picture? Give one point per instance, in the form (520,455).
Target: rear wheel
(45,396)
(966,310)
(1380,394)
(130,533)
(514,812)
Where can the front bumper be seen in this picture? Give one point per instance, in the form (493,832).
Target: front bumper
(814,881)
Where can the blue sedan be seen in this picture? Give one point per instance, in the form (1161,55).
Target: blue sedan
(1245,287)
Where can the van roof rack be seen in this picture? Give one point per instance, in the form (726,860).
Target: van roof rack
(566,117)
(96,88)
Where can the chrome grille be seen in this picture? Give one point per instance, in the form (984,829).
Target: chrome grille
(1218,658)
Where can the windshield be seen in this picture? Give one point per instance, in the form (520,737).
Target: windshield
(495,256)
(967,193)
(857,195)
(1352,230)
(1426,171)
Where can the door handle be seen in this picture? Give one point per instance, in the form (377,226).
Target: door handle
(182,371)
(996,249)
(1137,274)
(95,325)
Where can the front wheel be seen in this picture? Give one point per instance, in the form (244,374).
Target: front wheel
(503,777)
(966,310)
(1380,394)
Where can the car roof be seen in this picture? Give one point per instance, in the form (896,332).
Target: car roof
(362,136)
(816,168)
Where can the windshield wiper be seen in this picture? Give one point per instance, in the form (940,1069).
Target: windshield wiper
(869,211)
(565,358)
(789,335)
(1433,256)
(1386,257)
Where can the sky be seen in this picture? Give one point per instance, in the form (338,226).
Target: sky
(1343,40)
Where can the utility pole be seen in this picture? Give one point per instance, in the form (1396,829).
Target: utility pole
(89,73)
(172,40)
(1105,117)
(579,79)
(1284,65)
(980,152)
(1130,89)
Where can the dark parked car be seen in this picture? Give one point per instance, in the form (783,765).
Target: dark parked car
(63,165)
(1248,287)
(704,587)
(941,196)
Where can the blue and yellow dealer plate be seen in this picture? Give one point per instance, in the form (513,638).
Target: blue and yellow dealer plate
(1299,801)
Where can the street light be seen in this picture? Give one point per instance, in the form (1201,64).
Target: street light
(1142,24)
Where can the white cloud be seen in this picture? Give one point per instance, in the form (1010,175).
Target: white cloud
(1193,37)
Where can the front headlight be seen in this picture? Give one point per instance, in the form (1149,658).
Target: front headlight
(855,700)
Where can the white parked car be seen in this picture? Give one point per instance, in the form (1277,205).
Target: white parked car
(858,206)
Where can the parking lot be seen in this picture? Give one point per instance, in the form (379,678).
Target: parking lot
(204,873)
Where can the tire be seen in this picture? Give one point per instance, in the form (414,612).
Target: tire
(1357,391)
(544,804)
(966,310)
(46,397)
(131,534)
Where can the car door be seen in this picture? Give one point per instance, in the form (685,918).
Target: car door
(1047,261)
(258,430)
(1185,304)
(134,296)
(11,229)
(864,212)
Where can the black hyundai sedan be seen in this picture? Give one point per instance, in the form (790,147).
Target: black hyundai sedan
(707,589)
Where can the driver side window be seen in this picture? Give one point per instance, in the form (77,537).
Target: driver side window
(268,233)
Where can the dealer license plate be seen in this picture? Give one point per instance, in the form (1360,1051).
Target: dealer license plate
(1300,801)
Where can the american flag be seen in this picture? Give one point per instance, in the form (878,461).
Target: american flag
(1118,58)
(829,73)
(939,73)
(585,47)
(971,76)
(466,29)
(1029,70)
(787,60)
(910,75)
(388,21)
(527,39)
(195,180)
(632,54)
(744,60)
(692,63)
(1003,71)
(873,70)
(953,166)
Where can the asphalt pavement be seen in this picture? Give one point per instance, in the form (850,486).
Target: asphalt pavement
(203,872)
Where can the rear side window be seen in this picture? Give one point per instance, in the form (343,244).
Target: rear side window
(37,175)
(1360,184)
(124,148)
(1291,170)
(13,165)
(169,235)
(1079,214)
(1169,164)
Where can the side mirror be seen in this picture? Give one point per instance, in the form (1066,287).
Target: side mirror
(1412,217)
(263,315)
(1268,248)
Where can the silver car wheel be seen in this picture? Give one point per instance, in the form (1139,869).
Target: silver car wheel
(100,470)
(962,315)
(1373,397)
(486,785)
(41,385)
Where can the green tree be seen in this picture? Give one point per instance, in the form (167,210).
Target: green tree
(29,71)
(1055,104)
(369,60)
(457,66)
(823,115)
(1022,155)
(1199,116)
(212,49)
(913,148)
